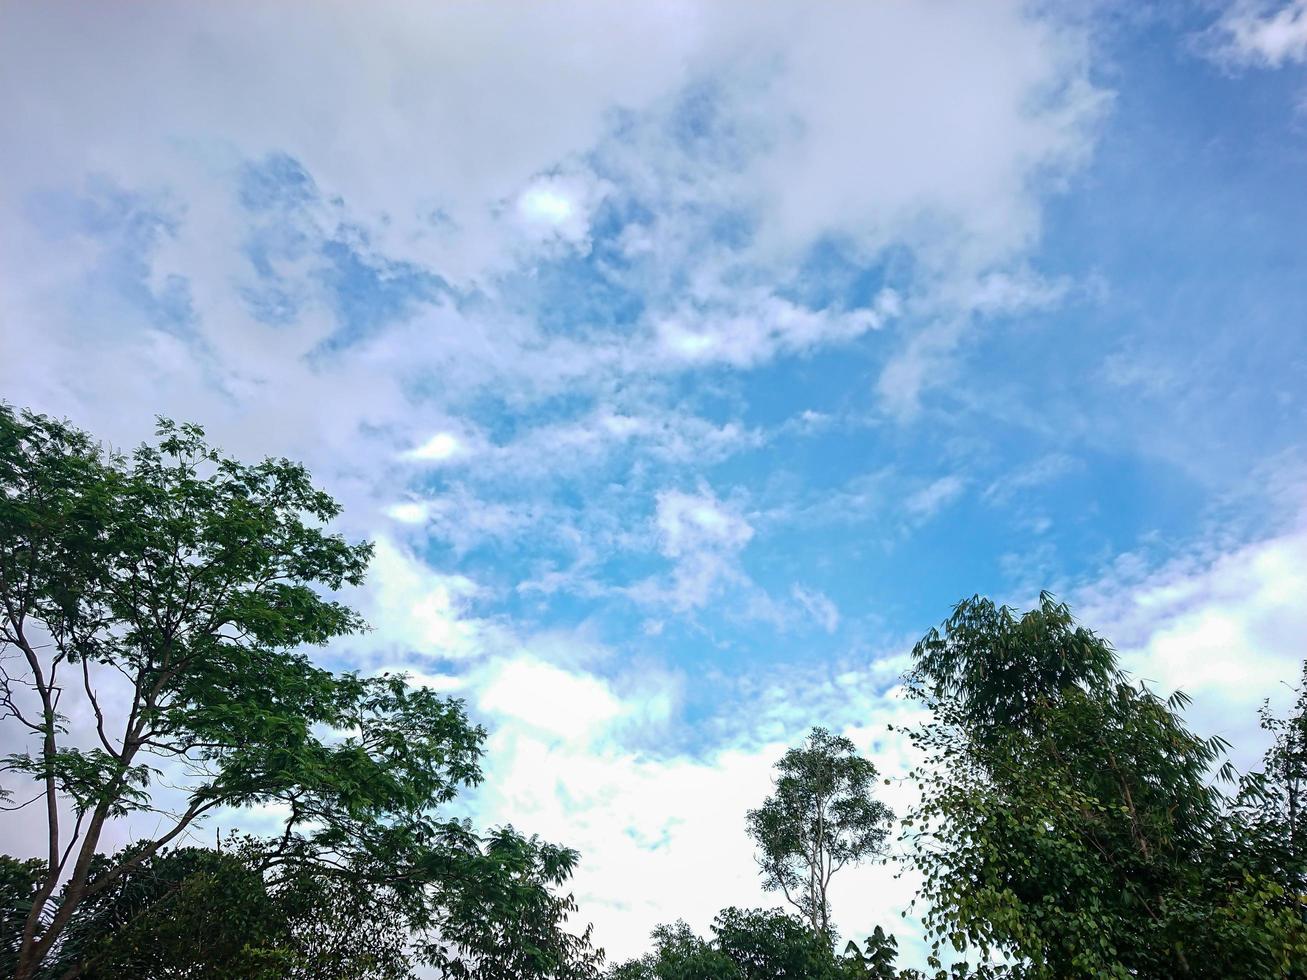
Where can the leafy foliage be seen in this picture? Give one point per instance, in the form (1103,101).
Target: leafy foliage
(768,944)
(501,914)
(821,817)
(747,944)
(171,594)
(256,921)
(1272,803)
(19,881)
(147,921)
(1068,819)
(874,959)
(678,954)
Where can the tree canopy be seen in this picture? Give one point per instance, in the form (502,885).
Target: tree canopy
(1070,821)
(746,944)
(168,597)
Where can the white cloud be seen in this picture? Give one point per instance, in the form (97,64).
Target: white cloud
(949,153)
(1038,473)
(690,523)
(440,447)
(951,312)
(925,503)
(703,536)
(662,434)
(1019,291)
(530,692)
(1225,626)
(545,205)
(416,610)
(859,139)
(923,363)
(764,327)
(559,207)
(408,512)
(1149,376)
(1263,34)
(819,606)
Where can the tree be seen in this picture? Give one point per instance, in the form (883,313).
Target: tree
(768,943)
(874,959)
(166,598)
(746,944)
(298,924)
(1272,804)
(502,918)
(821,817)
(19,880)
(678,954)
(147,921)
(1069,820)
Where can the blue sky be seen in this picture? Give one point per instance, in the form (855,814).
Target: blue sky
(687,361)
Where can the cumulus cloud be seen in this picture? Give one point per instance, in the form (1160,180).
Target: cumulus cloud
(416,611)
(542,696)
(437,449)
(1223,625)
(665,818)
(324,251)
(559,208)
(757,330)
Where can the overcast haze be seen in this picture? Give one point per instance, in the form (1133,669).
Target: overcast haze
(687,361)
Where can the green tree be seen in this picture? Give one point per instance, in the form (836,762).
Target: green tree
(746,944)
(291,923)
(767,944)
(146,923)
(1068,818)
(19,881)
(501,914)
(1272,804)
(821,816)
(167,597)
(874,959)
(678,954)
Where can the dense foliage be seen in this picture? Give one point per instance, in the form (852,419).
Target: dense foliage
(745,945)
(1272,803)
(1069,819)
(296,925)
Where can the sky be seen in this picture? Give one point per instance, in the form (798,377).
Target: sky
(687,361)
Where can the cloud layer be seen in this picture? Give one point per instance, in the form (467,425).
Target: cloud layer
(687,360)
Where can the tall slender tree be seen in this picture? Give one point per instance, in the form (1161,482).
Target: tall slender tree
(821,817)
